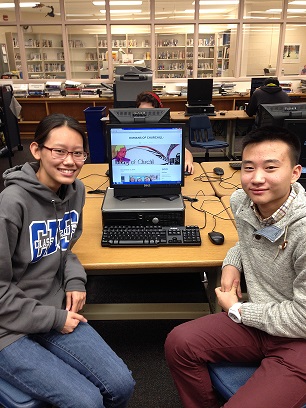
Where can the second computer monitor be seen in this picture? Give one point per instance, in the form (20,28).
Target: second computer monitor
(199,91)
(139,115)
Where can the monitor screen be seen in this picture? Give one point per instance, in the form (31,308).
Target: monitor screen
(298,126)
(256,82)
(139,115)
(199,91)
(146,160)
(275,114)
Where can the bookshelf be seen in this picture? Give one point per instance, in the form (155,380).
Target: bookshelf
(177,56)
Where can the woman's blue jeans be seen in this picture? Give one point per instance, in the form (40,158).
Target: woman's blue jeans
(77,370)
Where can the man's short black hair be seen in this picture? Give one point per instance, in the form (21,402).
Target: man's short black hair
(271,80)
(274,133)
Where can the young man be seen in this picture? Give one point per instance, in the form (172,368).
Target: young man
(270,328)
(269,92)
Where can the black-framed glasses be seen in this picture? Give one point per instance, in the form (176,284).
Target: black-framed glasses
(62,154)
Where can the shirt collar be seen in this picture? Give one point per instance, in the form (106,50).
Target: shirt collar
(278,214)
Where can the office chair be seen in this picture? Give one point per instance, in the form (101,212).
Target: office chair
(12,397)
(201,135)
(227,377)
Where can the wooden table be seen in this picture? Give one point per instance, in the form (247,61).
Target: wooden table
(98,260)
(230,118)
(223,185)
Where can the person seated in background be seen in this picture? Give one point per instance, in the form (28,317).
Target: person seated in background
(148,100)
(269,92)
(303,71)
(47,348)
(268,329)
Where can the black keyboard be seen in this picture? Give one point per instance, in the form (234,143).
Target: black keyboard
(149,236)
(235,165)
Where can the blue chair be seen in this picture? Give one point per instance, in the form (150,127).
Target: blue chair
(201,135)
(12,397)
(227,377)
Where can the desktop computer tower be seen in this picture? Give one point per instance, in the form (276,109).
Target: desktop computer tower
(198,109)
(142,210)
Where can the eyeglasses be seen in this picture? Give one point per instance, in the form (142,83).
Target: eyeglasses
(78,156)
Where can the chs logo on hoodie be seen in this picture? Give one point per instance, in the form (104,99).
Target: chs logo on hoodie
(47,237)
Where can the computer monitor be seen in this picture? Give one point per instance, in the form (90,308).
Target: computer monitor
(275,114)
(199,91)
(146,160)
(256,82)
(139,115)
(298,126)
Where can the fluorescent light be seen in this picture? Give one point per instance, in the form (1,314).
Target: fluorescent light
(12,5)
(298,2)
(211,11)
(122,11)
(296,10)
(126,11)
(217,2)
(118,3)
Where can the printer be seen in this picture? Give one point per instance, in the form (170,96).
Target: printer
(130,80)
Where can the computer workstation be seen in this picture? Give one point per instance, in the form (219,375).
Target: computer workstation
(199,97)
(144,205)
(208,213)
(291,116)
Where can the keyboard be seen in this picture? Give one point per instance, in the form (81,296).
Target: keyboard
(149,236)
(235,165)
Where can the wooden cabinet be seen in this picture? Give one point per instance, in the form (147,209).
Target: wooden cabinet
(35,109)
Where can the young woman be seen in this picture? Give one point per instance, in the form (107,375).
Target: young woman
(47,348)
(149,100)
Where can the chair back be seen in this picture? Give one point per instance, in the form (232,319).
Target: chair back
(200,130)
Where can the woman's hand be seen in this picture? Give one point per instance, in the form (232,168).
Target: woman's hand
(72,321)
(75,301)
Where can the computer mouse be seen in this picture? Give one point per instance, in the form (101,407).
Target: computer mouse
(107,173)
(187,173)
(216,238)
(218,171)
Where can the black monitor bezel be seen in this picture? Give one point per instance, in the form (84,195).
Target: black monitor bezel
(288,124)
(195,94)
(169,191)
(142,115)
(274,114)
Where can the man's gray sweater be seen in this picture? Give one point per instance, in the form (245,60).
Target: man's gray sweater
(275,274)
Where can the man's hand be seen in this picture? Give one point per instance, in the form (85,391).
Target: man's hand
(227,299)
(72,321)
(75,301)
(229,274)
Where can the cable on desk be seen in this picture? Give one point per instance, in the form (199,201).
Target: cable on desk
(96,190)
(221,180)
(201,177)
(205,212)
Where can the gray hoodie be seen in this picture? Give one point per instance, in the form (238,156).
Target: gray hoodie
(275,272)
(37,266)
